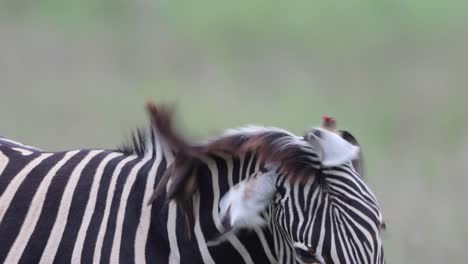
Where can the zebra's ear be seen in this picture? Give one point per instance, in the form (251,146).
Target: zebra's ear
(241,206)
(333,149)
(358,163)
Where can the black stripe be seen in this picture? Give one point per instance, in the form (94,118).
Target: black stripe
(111,223)
(253,244)
(317,224)
(346,236)
(351,224)
(205,215)
(326,246)
(222,171)
(39,237)
(98,214)
(358,181)
(132,214)
(157,245)
(358,254)
(10,226)
(223,251)
(77,209)
(359,205)
(245,165)
(15,164)
(339,242)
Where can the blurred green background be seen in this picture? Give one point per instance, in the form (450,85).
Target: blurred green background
(76,74)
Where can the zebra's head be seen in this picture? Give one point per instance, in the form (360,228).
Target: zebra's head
(309,191)
(318,207)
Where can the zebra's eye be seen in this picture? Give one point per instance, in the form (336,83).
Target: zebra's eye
(306,256)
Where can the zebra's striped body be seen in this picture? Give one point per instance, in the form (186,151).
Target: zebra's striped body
(91,206)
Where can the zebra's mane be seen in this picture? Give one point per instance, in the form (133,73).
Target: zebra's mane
(294,156)
(137,144)
(271,145)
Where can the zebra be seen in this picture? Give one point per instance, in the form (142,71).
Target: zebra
(250,195)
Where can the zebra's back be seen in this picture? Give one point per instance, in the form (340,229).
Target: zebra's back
(69,206)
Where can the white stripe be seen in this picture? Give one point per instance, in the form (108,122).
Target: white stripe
(90,206)
(333,253)
(230,167)
(363,229)
(55,237)
(23,152)
(105,219)
(313,213)
(288,249)
(121,209)
(343,204)
(357,180)
(273,227)
(3,162)
(344,242)
(247,172)
(356,183)
(356,239)
(241,166)
(350,245)
(174,255)
(19,144)
(353,248)
(34,212)
(368,251)
(290,190)
(298,208)
(257,166)
(352,187)
(350,196)
(323,228)
(207,259)
(308,206)
(281,237)
(215,212)
(12,188)
(145,218)
(149,142)
(363,196)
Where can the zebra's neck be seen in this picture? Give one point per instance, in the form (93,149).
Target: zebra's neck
(217,175)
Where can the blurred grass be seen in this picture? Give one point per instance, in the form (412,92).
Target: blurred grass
(394,73)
